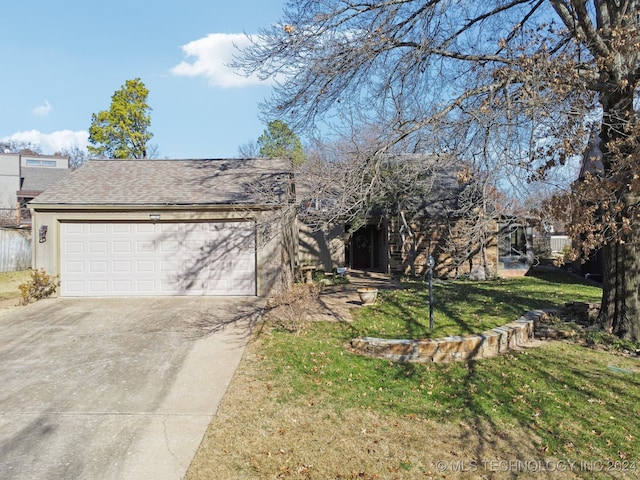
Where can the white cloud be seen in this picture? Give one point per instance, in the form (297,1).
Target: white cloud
(43,110)
(51,143)
(211,57)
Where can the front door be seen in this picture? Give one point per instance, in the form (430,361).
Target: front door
(362,248)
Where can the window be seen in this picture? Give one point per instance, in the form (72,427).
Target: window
(35,162)
(514,245)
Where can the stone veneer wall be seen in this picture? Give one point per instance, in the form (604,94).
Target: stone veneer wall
(431,233)
(482,345)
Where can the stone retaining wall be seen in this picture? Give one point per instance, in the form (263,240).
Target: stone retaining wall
(448,349)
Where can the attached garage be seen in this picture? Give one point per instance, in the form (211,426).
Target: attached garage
(146,259)
(171,227)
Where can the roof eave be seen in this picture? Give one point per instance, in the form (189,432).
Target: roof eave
(149,207)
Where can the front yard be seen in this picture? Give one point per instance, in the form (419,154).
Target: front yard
(465,307)
(9,282)
(302,406)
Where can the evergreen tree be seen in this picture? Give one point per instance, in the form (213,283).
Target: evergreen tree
(123,130)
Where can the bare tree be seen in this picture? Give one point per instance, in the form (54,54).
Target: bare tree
(440,72)
(353,181)
(26,148)
(77,156)
(249,150)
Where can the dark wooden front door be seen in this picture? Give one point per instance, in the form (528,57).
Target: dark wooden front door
(362,248)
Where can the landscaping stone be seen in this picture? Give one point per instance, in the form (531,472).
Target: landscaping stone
(426,348)
(455,348)
(477,273)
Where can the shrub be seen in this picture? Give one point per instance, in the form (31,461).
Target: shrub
(291,308)
(40,285)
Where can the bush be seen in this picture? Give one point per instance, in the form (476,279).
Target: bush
(291,308)
(40,285)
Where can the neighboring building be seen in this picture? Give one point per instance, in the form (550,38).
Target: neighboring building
(22,178)
(551,240)
(168,227)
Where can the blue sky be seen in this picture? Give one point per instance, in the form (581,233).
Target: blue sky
(62,62)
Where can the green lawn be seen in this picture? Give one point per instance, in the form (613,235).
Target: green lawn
(580,403)
(464,307)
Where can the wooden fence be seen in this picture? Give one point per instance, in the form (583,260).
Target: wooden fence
(15,249)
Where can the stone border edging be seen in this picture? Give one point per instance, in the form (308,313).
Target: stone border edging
(449,349)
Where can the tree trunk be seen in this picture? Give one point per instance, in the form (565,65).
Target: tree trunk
(620,310)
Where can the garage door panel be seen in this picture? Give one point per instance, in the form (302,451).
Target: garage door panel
(97,247)
(74,229)
(122,228)
(242,264)
(75,286)
(158,259)
(145,266)
(122,246)
(170,267)
(123,266)
(98,267)
(142,247)
(145,287)
(169,246)
(75,267)
(171,227)
(74,247)
(122,285)
(243,283)
(99,286)
(98,228)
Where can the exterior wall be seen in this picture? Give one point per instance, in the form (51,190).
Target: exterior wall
(270,251)
(326,248)
(44,161)
(412,259)
(323,250)
(276,249)
(9,185)
(430,238)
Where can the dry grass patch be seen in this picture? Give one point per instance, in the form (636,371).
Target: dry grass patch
(257,435)
(9,283)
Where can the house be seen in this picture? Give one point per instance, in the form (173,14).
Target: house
(384,242)
(22,178)
(168,227)
(376,246)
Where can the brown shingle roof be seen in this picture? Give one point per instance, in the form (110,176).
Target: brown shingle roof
(172,182)
(38,179)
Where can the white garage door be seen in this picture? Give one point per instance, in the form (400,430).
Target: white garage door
(140,259)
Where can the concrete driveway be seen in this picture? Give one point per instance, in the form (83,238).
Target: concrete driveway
(115,388)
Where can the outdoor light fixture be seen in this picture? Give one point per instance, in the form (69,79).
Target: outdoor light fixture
(42,233)
(154,217)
